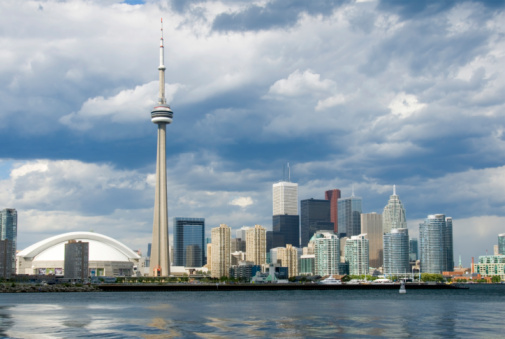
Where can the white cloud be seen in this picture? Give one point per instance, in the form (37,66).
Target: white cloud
(298,83)
(404,105)
(242,201)
(332,101)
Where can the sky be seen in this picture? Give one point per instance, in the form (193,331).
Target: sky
(363,94)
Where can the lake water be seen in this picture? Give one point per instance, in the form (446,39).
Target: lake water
(477,312)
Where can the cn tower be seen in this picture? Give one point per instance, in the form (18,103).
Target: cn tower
(161,115)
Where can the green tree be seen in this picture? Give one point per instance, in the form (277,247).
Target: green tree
(496,279)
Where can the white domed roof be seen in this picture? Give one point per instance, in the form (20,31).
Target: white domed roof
(101,248)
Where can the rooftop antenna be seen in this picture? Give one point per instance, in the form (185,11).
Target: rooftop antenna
(289,173)
(161,68)
(352,194)
(394,189)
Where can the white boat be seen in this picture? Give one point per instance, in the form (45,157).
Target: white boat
(330,281)
(382,281)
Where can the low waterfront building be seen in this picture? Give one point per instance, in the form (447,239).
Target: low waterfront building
(491,265)
(107,256)
(245,270)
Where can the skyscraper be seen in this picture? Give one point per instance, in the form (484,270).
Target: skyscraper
(315,216)
(435,244)
(162,116)
(285,198)
(285,220)
(333,196)
(356,254)
(288,257)
(189,242)
(371,227)
(394,214)
(326,253)
(9,231)
(396,251)
(76,260)
(285,230)
(501,243)
(349,216)
(413,249)
(256,245)
(221,255)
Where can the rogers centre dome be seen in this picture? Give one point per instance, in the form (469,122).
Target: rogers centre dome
(107,256)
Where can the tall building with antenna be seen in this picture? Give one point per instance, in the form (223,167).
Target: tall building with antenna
(349,216)
(394,214)
(162,116)
(285,220)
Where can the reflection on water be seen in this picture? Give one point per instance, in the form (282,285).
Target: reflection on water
(325,314)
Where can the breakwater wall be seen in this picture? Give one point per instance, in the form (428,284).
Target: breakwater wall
(264,287)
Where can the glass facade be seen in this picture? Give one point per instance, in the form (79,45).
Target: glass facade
(285,230)
(315,216)
(349,216)
(435,244)
(9,231)
(356,254)
(326,253)
(396,251)
(371,227)
(501,243)
(413,249)
(189,243)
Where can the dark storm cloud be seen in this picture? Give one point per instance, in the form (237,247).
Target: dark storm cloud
(276,13)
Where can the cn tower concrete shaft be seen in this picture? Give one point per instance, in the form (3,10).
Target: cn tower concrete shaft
(160,263)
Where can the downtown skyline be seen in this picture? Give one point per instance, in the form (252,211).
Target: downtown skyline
(370,93)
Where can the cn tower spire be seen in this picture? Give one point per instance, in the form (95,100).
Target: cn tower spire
(161,68)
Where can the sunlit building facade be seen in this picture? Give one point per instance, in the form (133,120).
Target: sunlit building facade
(256,245)
(393,215)
(356,254)
(221,255)
(396,251)
(435,244)
(326,253)
(371,226)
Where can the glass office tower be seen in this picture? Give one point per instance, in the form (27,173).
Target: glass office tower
(189,242)
(315,216)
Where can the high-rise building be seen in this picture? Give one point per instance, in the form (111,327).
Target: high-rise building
(162,116)
(288,257)
(315,216)
(285,198)
(221,255)
(394,214)
(76,260)
(333,196)
(5,259)
(326,253)
(501,243)
(237,244)
(285,230)
(356,254)
(307,264)
(413,249)
(9,231)
(189,242)
(371,227)
(435,244)
(396,252)
(240,233)
(349,216)
(256,245)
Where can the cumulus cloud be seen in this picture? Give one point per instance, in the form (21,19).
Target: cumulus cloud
(242,201)
(404,105)
(298,83)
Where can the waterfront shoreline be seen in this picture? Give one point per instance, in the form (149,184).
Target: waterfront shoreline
(266,287)
(30,288)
